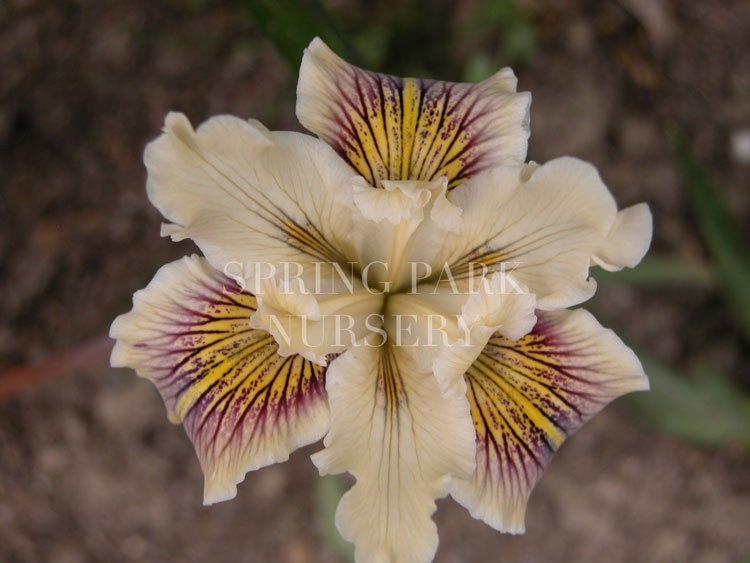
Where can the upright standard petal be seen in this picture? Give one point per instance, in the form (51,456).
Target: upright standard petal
(402,441)
(447,326)
(527,396)
(389,217)
(321,316)
(248,196)
(243,405)
(544,224)
(391,128)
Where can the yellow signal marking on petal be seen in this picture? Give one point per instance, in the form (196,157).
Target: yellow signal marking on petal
(228,357)
(242,404)
(456,159)
(451,171)
(354,153)
(365,120)
(299,376)
(392,128)
(311,243)
(522,391)
(479,425)
(535,416)
(535,358)
(406,129)
(392,120)
(471,263)
(411,100)
(559,370)
(376,118)
(219,363)
(460,139)
(488,423)
(448,141)
(426,135)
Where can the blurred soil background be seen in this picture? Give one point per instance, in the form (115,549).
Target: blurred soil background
(90,469)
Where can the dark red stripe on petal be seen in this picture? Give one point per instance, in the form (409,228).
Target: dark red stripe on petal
(392,128)
(243,405)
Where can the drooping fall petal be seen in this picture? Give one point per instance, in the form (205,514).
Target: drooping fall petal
(391,128)
(544,224)
(402,441)
(248,196)
(243,406)
(527,396)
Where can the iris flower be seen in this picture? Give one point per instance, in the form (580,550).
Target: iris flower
(399,285)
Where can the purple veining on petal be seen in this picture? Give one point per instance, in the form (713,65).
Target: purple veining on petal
(528,395)
(224,377)
(463,116)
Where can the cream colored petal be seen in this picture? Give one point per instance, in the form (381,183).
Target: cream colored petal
(527,396)
(452,324)
(398,202)
(323,313)
(246,195)
(391,128)
(242,404)
(389,217)
(402,441)
(627,240)
(546,225)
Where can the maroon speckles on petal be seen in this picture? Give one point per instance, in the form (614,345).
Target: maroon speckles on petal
(528,395)
(241,403)
(392,128)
